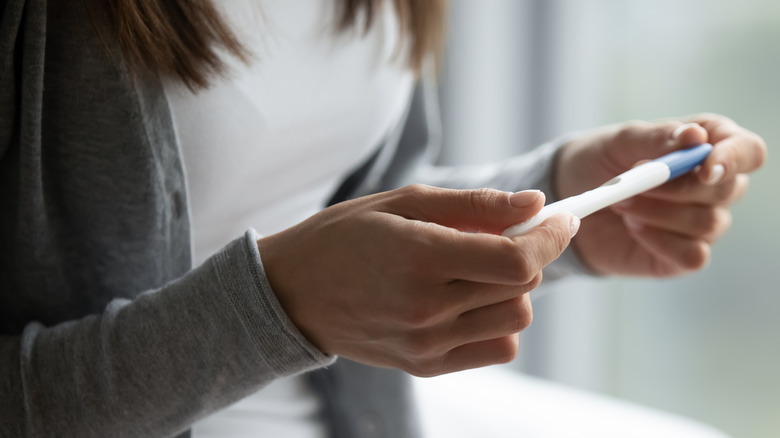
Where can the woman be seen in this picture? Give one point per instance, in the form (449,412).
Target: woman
(108,329)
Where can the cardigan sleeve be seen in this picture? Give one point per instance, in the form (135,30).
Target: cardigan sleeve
(10,35)
(105,330)
(153,365)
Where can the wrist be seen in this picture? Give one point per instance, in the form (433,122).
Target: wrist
(564,182)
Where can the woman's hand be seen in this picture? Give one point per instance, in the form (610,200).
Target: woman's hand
(667,231)
(416,278)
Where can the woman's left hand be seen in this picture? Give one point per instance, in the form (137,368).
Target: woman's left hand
(669,230)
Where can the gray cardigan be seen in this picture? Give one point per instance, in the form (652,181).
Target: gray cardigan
(105,328)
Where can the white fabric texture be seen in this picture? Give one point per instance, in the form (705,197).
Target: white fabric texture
(312,106)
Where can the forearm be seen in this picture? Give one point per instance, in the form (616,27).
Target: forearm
(154,365)
(532,170)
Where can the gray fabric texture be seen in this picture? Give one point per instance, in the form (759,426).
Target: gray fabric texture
(105,328)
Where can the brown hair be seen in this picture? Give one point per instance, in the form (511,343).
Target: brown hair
(182,38)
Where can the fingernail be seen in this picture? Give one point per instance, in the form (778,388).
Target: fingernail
(716,174)
(574,225)
(682,128)
(524,198)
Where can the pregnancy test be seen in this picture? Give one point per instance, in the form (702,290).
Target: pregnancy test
(631,183)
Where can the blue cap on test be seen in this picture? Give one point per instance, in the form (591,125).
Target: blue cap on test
(685,160)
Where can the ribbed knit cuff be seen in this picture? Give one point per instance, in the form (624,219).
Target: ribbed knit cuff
(276,338)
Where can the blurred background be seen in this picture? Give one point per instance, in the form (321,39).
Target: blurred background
(521,72)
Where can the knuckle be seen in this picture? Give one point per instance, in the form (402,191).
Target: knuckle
(515,261)
(741,183)
(424,368)
(725,192)
(533,284)
(508,248)
(419,314)
(420,347)
(712,117)
(709,221)
(661,134)
(629,130)
(697,257)
(522,317)
(416,190)
(713,221)
(761,150)
(506,349)
(520,266)
(480,200)
(484,195)
(723,221)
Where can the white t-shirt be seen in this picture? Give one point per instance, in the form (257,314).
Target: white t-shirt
(283,132)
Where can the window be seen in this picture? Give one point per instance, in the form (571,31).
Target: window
(521,72)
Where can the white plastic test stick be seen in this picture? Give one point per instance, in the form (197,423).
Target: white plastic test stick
(631,183)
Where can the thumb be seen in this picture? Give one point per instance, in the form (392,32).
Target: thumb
(646,141)
(476,210)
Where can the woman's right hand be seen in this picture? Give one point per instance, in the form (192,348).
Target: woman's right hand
(417,278)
